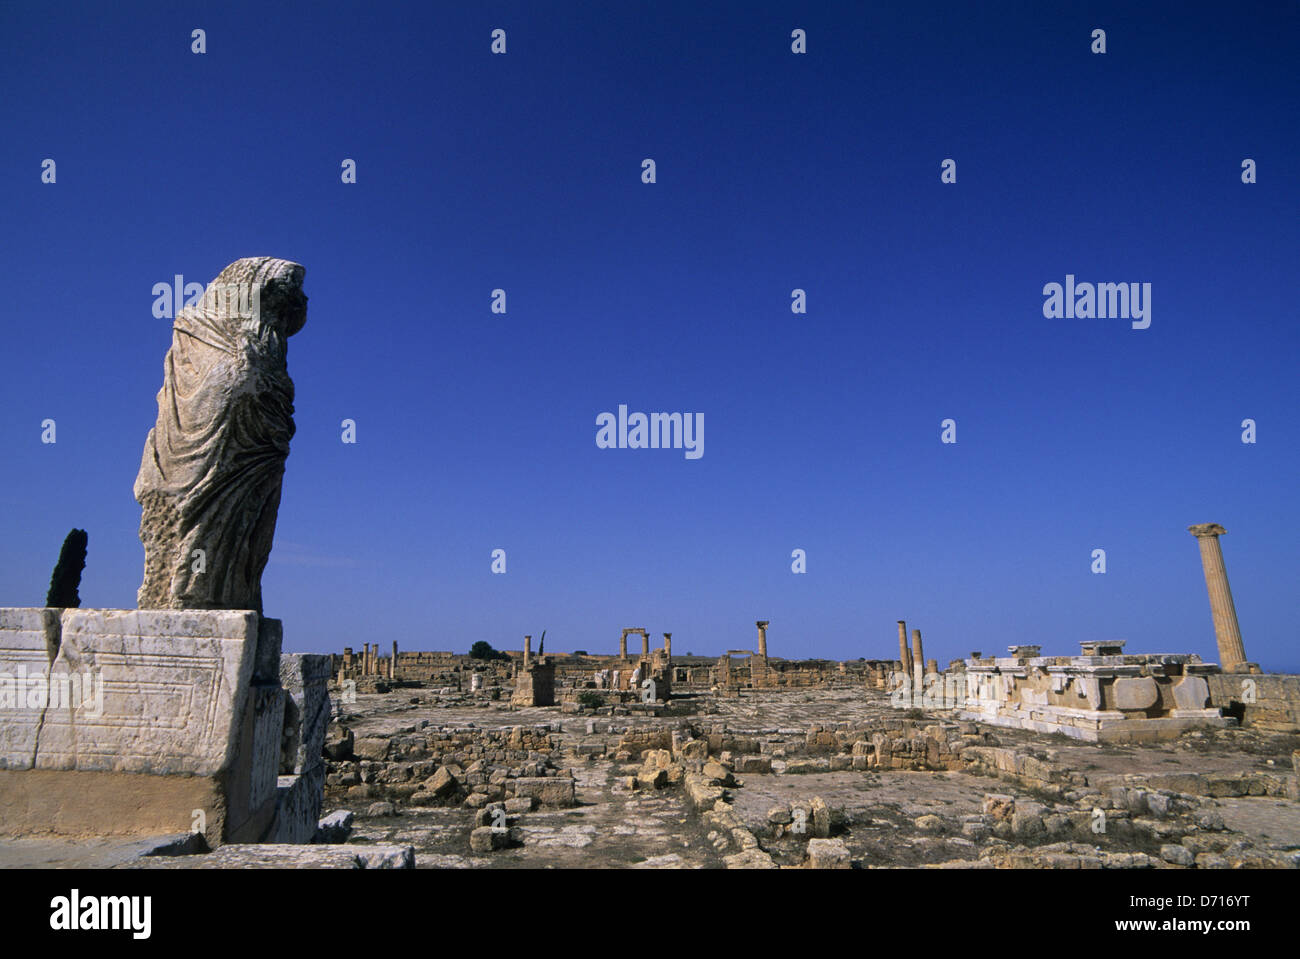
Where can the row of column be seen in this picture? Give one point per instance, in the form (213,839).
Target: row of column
(913,659)
(369,664)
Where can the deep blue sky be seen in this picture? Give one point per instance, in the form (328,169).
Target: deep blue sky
(775,171)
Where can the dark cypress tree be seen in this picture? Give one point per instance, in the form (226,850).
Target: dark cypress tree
(67,574)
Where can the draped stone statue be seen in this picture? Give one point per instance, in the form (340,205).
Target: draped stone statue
(209,481)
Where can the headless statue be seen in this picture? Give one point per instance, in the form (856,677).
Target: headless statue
(209,481)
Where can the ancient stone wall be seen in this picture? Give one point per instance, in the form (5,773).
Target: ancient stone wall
(1270,701)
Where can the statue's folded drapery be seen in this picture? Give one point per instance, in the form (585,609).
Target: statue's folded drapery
(209,481)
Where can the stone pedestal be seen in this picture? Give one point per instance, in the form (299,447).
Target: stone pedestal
(535,686)
(159,720)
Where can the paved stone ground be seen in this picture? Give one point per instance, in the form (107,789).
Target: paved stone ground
(617,828)
(614,827)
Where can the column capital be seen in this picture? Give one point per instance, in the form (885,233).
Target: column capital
(1206,529)
(762,623)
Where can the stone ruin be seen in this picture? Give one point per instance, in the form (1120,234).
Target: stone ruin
(1101,695)
(182,721)
(899,758)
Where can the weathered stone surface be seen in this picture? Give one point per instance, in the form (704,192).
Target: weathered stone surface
(547,791)
(1136,693)
(212,467)
(487,839)
(183,708)
(780,815)
(339,742)
(1191,692)
(374,748)
(828,854)
(305,680)
(752,858)
(1177,855)
(442,783)
(297,808)
(275,856)
(336,827)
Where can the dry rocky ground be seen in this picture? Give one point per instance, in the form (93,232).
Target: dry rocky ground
(817,777)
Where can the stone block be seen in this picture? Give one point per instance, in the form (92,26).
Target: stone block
(1135,693)
(547,790)
(336,827)
(305,680)
(828,854)
(1191,692)
(488,839)
(176,711)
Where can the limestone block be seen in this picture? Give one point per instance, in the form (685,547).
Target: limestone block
(547,790)
(442,783)
(297,807)
(178,714)
(1137,693)
(273,856)
(336,827)
(1191,692)
(305,679)
(487,839)
(828,854)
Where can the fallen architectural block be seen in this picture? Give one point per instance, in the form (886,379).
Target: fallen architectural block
(278,856)
(546,790)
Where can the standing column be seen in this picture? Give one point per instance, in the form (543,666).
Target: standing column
(622,645)
(645,645)
(762,636)
(1226,630)
(392,665)
(904,654)
(918,664)
(365,661)
(528,651)
(668,645)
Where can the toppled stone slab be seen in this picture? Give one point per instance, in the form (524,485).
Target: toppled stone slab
(828,854)
(335,828)
(546,790)
(283,856)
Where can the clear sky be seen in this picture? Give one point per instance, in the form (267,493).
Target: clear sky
(774,171)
